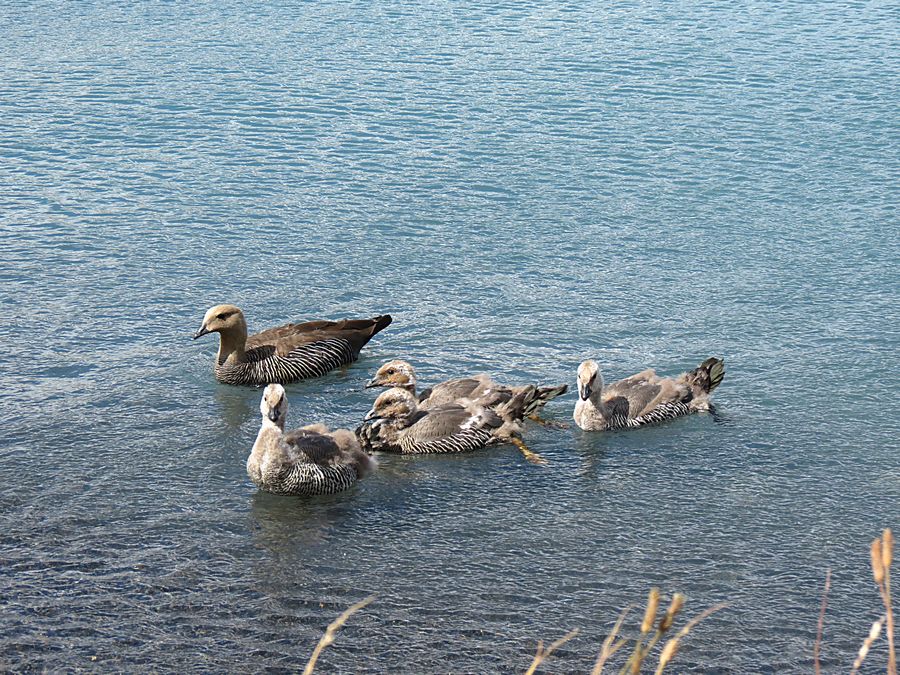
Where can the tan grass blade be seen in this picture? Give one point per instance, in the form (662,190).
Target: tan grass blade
(542,653)
(887,557)
(671,647)
(607,650)
(332,630)
(821,627)
(874,632)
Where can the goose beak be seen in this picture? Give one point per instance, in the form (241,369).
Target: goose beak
(584,391)
(373,383)
(200,333)
(273,414)
(371,415)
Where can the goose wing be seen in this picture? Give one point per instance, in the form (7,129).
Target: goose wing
(449,429)
(290,336)
(437,423)
(632,395)
(452,390)
(318,448)
(645,392)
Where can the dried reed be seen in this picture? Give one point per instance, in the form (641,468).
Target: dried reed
(633,665)
(671,647)
(608,649)
(821,627)
(332,630)
(874,632)
(542,653)
(882,552)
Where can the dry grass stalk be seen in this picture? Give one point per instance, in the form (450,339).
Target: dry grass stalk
(633,665)
(877,562)
(882,553)
(674,607)
(821,627)
(542,653)
(332,630)
(887,556)
(650,612)
(607,650)
(887,548)
(671,647)
(874,632)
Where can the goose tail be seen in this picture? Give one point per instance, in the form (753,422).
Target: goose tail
(380,323)
(541,396)
(706,377)
(516,407)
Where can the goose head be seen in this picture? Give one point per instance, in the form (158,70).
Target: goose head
(274,405)
(589,379)
(223,319)
(393,404)
(394,373)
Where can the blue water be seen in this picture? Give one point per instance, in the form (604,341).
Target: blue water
(521,186)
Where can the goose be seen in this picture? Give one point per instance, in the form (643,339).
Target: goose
(643,398)
(396,423)
(295,351)
(307,461)
(480,388)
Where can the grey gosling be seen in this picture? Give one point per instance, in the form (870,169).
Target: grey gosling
(307,461)
(479,388)
(644,398)
(396,423)
(292,352)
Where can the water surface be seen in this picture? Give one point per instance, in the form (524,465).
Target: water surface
(521,186)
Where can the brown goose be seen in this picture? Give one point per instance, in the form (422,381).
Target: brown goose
(644,398)
(296,351)
(479,388)
(397,424)
(307,461)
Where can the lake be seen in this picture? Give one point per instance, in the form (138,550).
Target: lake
(522,186)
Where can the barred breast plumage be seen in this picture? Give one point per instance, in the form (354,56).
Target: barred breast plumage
(288,353)
(310,479)
(301,363)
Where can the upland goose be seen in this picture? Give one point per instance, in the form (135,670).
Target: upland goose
(296,351)
(397,424)
(307,461)
(644,398)
(479,388)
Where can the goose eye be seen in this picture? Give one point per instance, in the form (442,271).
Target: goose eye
(221,317)
(391,371)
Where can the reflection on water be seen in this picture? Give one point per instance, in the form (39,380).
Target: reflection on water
(282,523)
(237,409)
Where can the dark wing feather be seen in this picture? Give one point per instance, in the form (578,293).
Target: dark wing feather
(617,411)
(318,448)
(637,392)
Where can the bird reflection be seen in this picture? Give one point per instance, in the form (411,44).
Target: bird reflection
(591,449)
(237,405)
